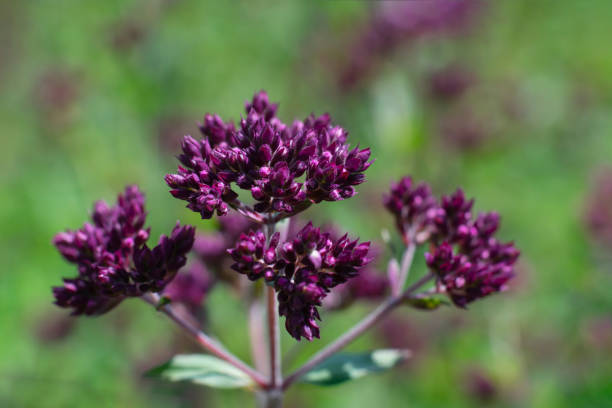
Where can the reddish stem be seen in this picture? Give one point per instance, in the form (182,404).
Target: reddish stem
(370,320)
(206,342)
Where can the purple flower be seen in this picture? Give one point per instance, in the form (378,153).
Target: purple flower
(211,248)
(112,257)
(268,158)
(598,216)
(449,83)
(413,207)
(302,270)
(467,259)
(463,129)
(478,265)
(401,22)
(190,287)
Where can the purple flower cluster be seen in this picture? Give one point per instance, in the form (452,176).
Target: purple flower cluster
(267,157)
(301,270)
(113,259)
(469,262)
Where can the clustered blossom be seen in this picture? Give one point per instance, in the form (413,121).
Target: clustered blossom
(268,158)
(301,270)
(113,259)
(469,262)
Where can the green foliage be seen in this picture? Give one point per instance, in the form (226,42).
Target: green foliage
(425,303)
(546,61)
(201,369)
(343,367)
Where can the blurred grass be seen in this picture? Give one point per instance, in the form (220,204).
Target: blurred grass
(175,60)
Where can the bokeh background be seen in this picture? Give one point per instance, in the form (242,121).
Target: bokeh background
(510,100)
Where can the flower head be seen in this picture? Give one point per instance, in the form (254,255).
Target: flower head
(466,258)
(268,158)
(113,259)
(302,270)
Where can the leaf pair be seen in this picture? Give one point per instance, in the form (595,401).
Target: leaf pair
(204,369)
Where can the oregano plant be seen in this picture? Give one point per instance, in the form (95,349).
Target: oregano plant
(286,169)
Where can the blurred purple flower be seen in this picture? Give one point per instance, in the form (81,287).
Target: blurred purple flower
(190,287)
(127,34)
(449,83)
(598,216)
(52,328)
(302,271)
(480,386)
(267,158)
(400,22)
(113,259)
(463,129)
(55,93)
(211,248)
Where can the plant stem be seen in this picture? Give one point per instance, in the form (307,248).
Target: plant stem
(407,259)
(367,322)
(205,341)
(257,334)
(274,336)
(273,327)
(270,398)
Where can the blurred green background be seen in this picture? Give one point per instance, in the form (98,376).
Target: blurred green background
(95,95)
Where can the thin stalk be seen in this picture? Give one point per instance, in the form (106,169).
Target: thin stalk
(274,335)
(367,322)
(273,328)
(257,334)
(205,341)
(269,398)
(406,263)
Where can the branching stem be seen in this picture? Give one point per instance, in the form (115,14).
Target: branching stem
(370,320)
(205,341)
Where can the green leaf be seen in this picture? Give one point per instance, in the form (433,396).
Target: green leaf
(425,303)
(163,301)
(344,367)
(201,369)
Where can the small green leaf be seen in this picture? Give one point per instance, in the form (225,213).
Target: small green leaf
(425,303)
(344,367)
(201,369)
(163,301)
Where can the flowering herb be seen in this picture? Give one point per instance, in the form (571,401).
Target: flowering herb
(113,259)
(267,157)
(286,169)
(302,271)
